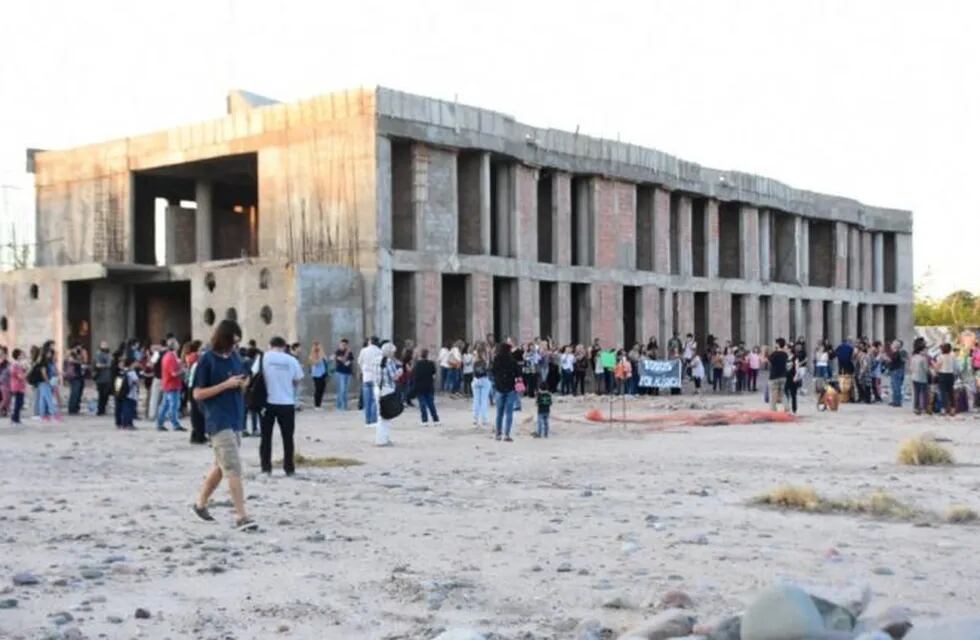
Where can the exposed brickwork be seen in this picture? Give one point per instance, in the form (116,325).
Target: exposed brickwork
(720,314)
(526,215)
(528,300)
(750,243)
(607,314)
(428,308)
(685,312)
(607,224)
(661,231)
(564,319)
(626,216)
(480,307)
(685,239)
(780,317)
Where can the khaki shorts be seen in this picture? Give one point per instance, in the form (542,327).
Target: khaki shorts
(225,444)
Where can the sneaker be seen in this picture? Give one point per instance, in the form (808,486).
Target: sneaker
(497,437)
(508,439)
(179,428)
(246,524)
(246,434)
(161,428)
(203,513)
(535,435)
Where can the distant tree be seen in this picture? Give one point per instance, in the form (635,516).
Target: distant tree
(958,310)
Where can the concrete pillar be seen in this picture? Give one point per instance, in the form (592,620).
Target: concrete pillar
(878,262)
(765,245)
(607,312)
(382,195)
(711,238)
(750,320)
(108,314)
(685,243)
(850,320)
(585,223)
(878,322)
(780,317)
(505,199)
(904,279)
(854,258)
(905,323)
(479,305)
(814,324)
(867,320)
(203,220)
(802,250)
(749,243)
(650,313)
(526,213)
(485,228)
(841,243)
(836,323)
(561,197)
(666,297)
(626,217)
(378,287)
(180,229)
(685,312)
(437,216)
(720,314)
(606,224)
(801,320)
(867,262)
(528,312)
(428,309)
(661,230)
(564,311)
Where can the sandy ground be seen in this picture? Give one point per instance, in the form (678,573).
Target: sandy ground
(450,528)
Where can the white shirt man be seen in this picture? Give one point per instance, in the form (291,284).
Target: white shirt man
(365,361)
(281,372)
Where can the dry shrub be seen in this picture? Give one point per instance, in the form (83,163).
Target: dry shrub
(322,463)
(960,514)
(922,451)
(881,505)
(794,497)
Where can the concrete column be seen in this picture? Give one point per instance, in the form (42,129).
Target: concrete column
(878,322)
(841,243)
(428,309)
(378,287)
(650,313)
(854,258)
(561,197)
(108,313)
(781,311)
(666,318)
(836,323)
(905,323)
(749,243)
(486,230)
(802,250)
(505,198)
(867,263)
(661,230)
(765,245)
(606,229)
(750,320)
(878,262)
(585,231)
(436,200)
(479,305)
(685,312)
(526,213)
(382,194)
(904,279)
(685,243)
(720,314)
(815,324)
(626,217)
(607,312)
(711,238)
(203,220)
(528,312)
(850,320)
(564,311)
(180,229)
(801,321)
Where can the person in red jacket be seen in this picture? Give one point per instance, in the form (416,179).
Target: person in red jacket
(171,384)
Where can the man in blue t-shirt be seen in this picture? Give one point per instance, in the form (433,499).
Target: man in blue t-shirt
(343,369)
(218,383)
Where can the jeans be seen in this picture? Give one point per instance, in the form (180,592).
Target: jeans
(127,412)
(444,378)
(427,405)
(169,407)
(285,415)
(753,379)
(567,380)
(197,423)
(77,385)
(920,395)
(455,380)
(578,387)
(791,389)
(505,411)
(319,386)
(543,425)
(898,378)
(46,406)
(370,404)
(18,405)
(481,400)
(343,384)
(947,381)
(105,389)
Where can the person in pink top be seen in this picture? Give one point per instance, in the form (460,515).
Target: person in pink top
(171,384)
(755,363)
(18,384)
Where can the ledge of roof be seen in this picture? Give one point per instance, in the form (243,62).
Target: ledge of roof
(240,100)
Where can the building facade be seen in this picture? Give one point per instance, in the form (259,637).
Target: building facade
(380,212)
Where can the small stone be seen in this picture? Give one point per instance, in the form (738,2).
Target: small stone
(781,612)
(727,629)
(565,567)
(141,614)
(283,628)
(673,623)
(114,619)
(617,602)
(882,571)
(696,539)
(8,603)
(61,618)
(675,600)
(72,633)
(895,621)
(166,549)
(316,537)
(629,547)
(459,633)
(587,493)
(591,630)
(25,579)
(92,574)
(547,530)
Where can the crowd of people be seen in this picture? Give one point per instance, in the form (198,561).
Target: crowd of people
(229,389)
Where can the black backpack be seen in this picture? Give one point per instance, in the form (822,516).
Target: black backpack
(256,394)
(34,376)
(122,385)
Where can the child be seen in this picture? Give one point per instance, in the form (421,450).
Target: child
(18,384)
(544,411)
(128,394)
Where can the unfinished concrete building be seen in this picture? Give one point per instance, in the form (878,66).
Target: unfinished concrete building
(380,212)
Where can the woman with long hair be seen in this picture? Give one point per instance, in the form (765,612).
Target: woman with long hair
(318,371)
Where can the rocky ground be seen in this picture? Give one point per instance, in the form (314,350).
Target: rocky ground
(581,535)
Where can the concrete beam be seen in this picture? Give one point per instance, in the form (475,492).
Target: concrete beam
(749,230)
(712,243)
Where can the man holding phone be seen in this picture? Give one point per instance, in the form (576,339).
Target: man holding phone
(218,384)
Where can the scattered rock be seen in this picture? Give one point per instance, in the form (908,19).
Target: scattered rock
(114,619)
(727,629)
(895,621)
(564,567)
(617,602)
(460,633)
(835,617)
(629,547)
(91,574)
(141,614)
(781,612)
(696,539)
(675,600)
(673,623)
(874,635)
(26,579)
(592,630)
(882,571)
(61,618)
(8,603)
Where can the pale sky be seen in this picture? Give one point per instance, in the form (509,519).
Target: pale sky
(876,100)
